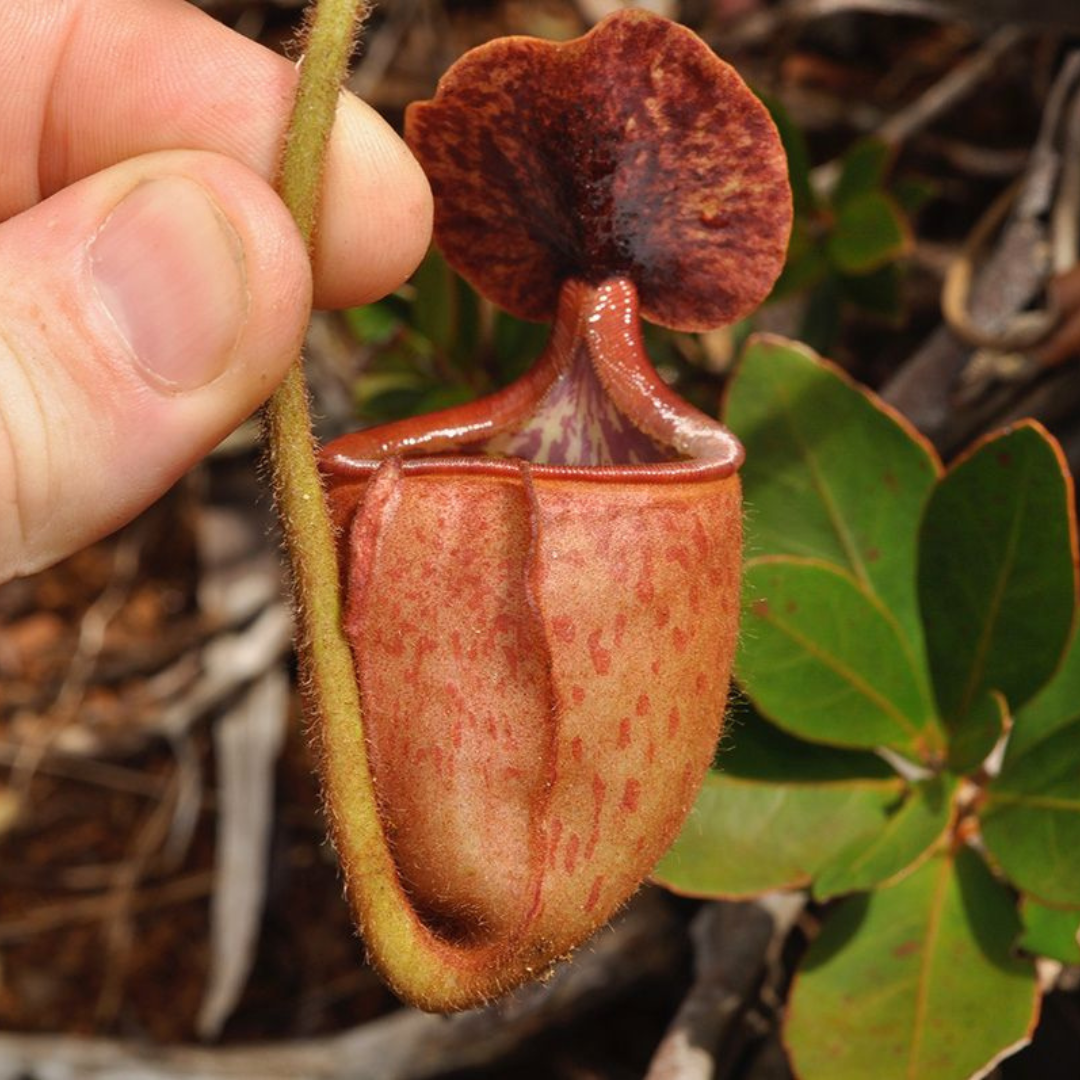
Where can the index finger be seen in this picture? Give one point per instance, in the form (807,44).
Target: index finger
(89,83)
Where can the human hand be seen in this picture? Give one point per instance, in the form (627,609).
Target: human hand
(153,288)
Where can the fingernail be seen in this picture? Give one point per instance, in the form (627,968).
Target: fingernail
(169,269)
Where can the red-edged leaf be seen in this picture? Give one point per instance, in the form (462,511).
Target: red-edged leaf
(776,810)
(914,982)
(997,569)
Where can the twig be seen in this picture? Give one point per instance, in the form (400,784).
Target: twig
(406,1045)
(95,622)
(958,84)
(732,945)
(246,747)
(383,46)
(974,160)
(926,387)
(762,26)
(92,909)
(89,770)
(230,662)
(118,932)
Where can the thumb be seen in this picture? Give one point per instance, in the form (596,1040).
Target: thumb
(144,312)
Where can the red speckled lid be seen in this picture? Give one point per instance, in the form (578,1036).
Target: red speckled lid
(633,151)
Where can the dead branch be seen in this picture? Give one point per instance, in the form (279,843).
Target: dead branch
(406,1045)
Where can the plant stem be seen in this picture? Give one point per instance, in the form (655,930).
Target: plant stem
(415,962)
(328,44)
(309,535)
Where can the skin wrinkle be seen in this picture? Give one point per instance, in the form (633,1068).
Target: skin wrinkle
(49,144)
(52,412)
(54,418)
(28,412)
(159,113)
(34,33)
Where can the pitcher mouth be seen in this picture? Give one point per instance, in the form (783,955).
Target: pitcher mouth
(593,407)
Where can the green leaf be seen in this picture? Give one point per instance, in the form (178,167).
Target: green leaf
(435,310)
(754,749)
(445,311)
(744,838)
(1031,811)
(820,323)
(391,404)
(830,472)
(878,294)
(443,397)
(1051,932)
(976,734)
(996,573)
(1031,818)
(825,660)
(909,834)
(517,344)
(382,395)
(1055,706)
(863,170)
(797,152)
(806,263)
(914,982)
(373,324)
(912,193)
(464,350)
(778,809)
(870,231)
